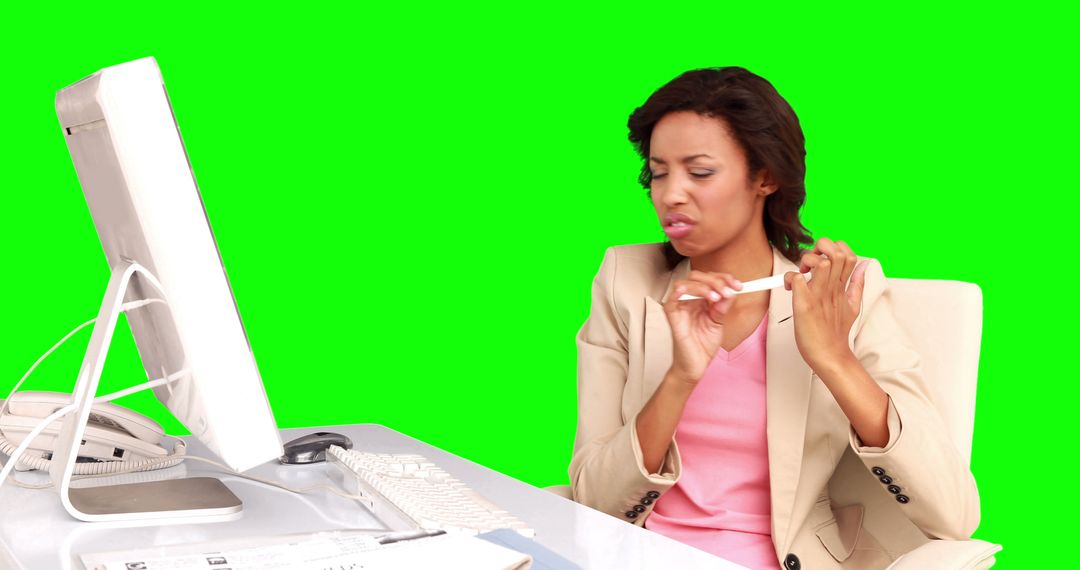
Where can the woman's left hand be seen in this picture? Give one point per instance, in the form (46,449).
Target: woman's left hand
(827,306)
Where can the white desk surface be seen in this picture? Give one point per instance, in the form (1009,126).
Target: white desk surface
(37,534)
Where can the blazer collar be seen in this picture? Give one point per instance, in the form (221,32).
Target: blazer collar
(787,391)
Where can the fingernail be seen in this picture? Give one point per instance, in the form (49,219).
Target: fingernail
(738,284)
(714,296)
(729,292)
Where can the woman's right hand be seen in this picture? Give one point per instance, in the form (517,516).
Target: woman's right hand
(697,326)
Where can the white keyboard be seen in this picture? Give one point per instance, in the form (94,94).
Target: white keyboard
(408,492)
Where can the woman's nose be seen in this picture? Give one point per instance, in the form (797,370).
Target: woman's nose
(675,194)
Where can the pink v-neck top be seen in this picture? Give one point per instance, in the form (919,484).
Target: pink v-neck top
(721,502)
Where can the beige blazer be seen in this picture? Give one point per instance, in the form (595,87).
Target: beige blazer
(624,351)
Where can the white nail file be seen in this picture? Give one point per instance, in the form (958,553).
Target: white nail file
(763,284)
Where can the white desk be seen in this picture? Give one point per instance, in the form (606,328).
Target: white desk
(37,534)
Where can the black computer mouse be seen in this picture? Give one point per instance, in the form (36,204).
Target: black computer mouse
(311,448)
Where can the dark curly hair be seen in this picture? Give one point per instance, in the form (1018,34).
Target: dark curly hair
(762,123)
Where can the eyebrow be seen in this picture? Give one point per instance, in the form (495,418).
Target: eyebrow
(685,159)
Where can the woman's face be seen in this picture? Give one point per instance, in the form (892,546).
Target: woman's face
(700,185)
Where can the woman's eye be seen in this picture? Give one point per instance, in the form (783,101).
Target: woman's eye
(701,174)
(658,175)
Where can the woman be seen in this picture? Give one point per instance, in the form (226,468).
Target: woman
(720,420)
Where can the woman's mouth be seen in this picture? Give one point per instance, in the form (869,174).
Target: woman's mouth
(678,230)
(678,226)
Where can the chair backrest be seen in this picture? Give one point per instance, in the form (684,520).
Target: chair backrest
(944,321)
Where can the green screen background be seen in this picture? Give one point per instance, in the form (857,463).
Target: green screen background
(411,203)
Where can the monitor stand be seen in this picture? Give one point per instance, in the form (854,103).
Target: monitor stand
(174,501)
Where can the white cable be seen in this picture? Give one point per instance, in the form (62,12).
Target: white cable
(123,309)
(85,468)
(140,387)
(3,407)
(122,467)
(15,455)
(221,466)
(33,434)
(280,485)
(111,468)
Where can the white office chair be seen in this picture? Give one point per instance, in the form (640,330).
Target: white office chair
(944,321)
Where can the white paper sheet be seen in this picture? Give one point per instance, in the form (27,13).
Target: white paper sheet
(326,551)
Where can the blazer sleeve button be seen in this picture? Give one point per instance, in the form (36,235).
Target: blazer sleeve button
(631,515)
(893,489)
(791,562)
(646,501)
(878,471)
(639,509)
(902,499)
(652,495)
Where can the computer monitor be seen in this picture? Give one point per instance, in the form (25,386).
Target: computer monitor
(137,179)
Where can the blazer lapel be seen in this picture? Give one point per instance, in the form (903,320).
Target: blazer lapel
(787,402)
(657,356)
